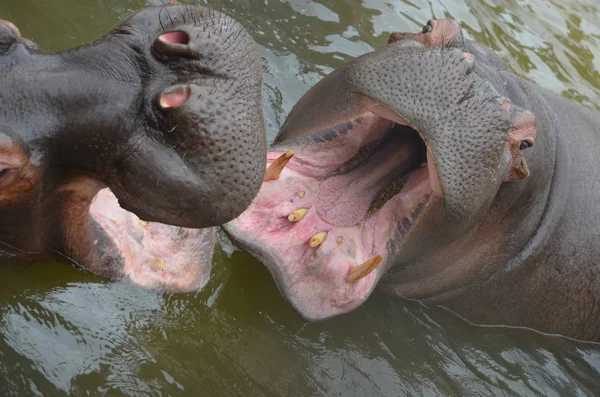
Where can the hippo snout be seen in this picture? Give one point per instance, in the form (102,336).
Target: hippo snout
(205,143)
(165,111)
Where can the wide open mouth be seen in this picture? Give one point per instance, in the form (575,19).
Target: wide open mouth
(344,203)
(150,254)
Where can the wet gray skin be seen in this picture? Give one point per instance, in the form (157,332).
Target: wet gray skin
(66,332)
(164,110)
(429,169)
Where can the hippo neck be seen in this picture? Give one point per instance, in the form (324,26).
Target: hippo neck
(548,284)
(534,214)
(498,236)
(556,198)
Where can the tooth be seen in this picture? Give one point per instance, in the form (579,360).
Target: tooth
(157,263)
(143,223)
(277,166)
(317,239)
(297,215)
(361,271)
(301,194)
(338,240)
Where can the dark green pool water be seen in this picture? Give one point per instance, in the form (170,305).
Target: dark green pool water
(66,332)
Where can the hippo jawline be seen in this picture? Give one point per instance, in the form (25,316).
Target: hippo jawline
(335,204)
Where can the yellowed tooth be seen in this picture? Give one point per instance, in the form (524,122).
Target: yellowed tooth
(143,223)
(277,166)
(301,194)
(338,240)
(157,263)
(297,215)
(317,239)
(357,272)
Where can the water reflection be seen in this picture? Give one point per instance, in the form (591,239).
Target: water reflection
(68,333)
(63,331)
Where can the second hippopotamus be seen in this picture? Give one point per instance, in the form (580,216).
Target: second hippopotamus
(428,168)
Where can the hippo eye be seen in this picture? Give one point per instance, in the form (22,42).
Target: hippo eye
(427,28)
(3,172)
(525,144)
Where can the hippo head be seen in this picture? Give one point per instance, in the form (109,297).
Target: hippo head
(165,111)
(395,153)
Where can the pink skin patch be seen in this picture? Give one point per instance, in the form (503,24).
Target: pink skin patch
(155,256)
(314,278)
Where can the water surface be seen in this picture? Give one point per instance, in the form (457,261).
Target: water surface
(66,332)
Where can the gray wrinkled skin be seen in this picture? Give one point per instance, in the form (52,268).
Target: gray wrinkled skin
(532,258)
(495,249)
(465,130)
(95,109)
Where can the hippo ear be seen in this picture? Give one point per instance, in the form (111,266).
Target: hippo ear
(521,138)
(8,35)
(435,34)
(395,36)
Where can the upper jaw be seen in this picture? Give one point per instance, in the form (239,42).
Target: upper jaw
(457,114)
(194,155)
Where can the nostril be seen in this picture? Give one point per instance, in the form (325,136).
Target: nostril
(174,97)
(175,43)
(175,38)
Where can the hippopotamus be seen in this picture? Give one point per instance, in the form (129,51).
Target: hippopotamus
(429,169)
(123,154)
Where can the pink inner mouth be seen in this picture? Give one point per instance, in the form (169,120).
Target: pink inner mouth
(155,256)
(365,188)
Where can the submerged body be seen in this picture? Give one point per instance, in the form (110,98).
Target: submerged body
(431,170)
(165,111)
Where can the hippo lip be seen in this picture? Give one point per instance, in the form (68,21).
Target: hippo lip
(150,254)
(350,195)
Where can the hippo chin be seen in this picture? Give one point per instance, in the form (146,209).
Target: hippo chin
(428,168)
(165,111)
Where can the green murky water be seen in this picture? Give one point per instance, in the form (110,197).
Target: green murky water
(63,331)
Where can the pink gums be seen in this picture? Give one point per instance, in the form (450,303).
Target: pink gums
(314,279)
(156,256)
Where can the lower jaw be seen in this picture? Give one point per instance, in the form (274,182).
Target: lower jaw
(151,255)
(310,239)
(315,276)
